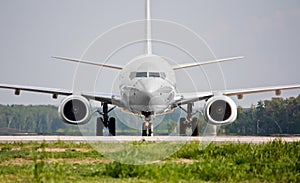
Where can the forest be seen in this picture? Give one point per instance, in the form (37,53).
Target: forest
(33,119)
(269,117)
(277,116)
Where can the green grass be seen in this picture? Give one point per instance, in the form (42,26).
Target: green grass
(69,162)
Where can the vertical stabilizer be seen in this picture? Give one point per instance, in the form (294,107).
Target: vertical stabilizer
(148,46)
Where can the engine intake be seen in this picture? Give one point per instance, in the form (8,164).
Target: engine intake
(75,109)
(220,110)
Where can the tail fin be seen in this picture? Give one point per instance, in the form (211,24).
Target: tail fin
(148,46)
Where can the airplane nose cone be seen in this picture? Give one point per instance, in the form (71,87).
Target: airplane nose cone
(149,86)
(150,94)
(156,100)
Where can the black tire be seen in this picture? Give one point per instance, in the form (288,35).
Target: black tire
(99,127)
(144,133)
(195,125)
(144,130)
(112,126)
(150,130)
(182,127)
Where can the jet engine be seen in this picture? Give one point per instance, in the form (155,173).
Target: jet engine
(220,110)
(75,109)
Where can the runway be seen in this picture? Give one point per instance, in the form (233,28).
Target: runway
(115,139)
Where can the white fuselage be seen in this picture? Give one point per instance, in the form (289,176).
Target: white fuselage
(147,84)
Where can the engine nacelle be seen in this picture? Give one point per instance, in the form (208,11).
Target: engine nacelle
(75,110)
(220,110)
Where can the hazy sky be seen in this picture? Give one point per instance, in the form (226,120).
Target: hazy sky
(265,32)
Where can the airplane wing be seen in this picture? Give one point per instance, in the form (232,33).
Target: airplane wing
(103,97)
(89,63)
(276,89)
(183,66)
(107,98)
(185,98)
(54,91)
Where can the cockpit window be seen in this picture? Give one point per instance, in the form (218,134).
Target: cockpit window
(146,74)
(154,74)
(141,74)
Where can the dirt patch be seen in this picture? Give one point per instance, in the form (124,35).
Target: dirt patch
(181,160)
(53,149)
(20,161)
(187,161)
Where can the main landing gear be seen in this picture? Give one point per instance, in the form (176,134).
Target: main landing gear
(188,123)
(147,128)
(105,121)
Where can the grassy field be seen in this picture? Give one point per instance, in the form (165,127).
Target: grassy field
(69,162)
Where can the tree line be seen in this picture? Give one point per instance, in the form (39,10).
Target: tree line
(268,117)
(35,119)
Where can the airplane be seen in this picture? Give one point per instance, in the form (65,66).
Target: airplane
(147,88)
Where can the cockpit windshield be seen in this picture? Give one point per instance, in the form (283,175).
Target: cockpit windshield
(141,74)
(154,74)
(147,74)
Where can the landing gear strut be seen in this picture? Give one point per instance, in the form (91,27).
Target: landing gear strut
(188,122)
(147,128)
(105,121)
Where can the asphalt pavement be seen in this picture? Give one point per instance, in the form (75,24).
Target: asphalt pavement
(108,139)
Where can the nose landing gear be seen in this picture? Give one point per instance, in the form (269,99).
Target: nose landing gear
(147,128)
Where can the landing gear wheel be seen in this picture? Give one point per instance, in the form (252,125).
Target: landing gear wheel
(112,126)
(105,121)
(99,127)
(182,127)
(195,127)
(147,129)
(144,132)
(150,130)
